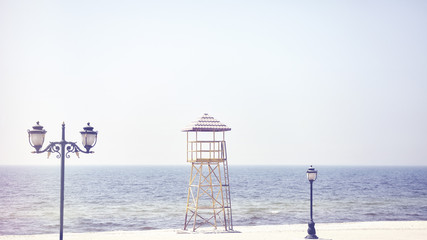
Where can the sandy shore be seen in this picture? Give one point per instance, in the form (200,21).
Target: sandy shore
(413,230)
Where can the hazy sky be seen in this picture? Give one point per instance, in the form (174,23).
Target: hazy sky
(299,82)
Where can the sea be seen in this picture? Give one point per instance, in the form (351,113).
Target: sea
(135,198)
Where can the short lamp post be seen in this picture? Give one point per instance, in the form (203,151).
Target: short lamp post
(62,149)
(311,176)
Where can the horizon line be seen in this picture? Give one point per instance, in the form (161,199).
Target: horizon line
(183,165)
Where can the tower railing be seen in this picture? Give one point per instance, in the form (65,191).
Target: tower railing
(206,151)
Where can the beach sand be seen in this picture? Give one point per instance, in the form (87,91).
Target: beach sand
(396,230)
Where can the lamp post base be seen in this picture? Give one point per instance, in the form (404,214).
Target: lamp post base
(318,238)
(313,236)
(311,231)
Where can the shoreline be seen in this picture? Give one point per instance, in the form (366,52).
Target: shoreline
(383,230)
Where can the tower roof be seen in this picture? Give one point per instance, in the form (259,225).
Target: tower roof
(206,124)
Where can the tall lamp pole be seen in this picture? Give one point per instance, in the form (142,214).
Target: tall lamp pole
(62,149)
(311,176)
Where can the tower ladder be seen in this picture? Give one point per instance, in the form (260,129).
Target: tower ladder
(226,185)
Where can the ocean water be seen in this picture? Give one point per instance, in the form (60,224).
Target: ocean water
(148,197)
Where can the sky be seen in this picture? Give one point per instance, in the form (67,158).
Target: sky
(298,82)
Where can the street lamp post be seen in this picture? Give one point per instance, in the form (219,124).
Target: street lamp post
(311,176)
(62,149)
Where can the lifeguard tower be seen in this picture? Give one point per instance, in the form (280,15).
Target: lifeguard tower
(208,200)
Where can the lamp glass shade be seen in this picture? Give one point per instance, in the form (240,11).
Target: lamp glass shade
(37,138)
(88,139)
(311,174)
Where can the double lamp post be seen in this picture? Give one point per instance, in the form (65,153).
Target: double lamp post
(63,149)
